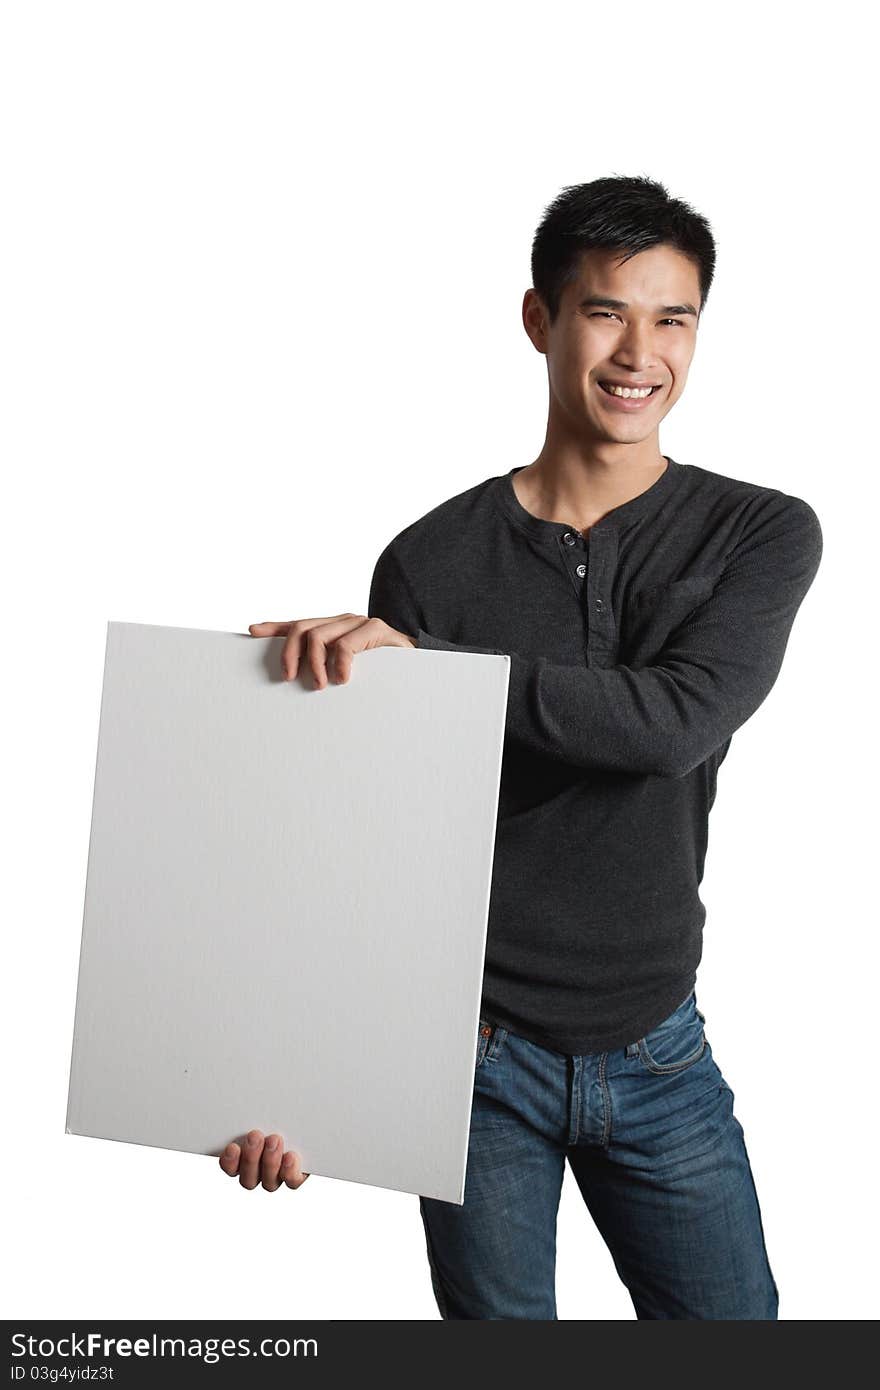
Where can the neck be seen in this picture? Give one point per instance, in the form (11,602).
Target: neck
(579,491)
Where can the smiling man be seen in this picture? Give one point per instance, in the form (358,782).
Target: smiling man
(645,605)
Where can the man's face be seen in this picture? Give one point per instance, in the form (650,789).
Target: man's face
(649,336)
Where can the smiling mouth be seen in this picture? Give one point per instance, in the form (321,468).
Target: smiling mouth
(606,387)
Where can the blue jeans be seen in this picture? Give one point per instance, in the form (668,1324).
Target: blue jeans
(657,1153)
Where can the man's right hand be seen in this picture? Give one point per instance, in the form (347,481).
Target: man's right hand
(264,1161)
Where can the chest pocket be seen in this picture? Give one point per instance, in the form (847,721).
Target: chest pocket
(651,614)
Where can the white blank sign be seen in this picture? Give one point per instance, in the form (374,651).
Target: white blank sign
(286,903)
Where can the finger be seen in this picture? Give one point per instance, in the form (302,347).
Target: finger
(364,637)
(272,1152)
(316,647)
(298,632)
(229,1159)
(291,1170)
(328,635)
(249,1166)
(268,629)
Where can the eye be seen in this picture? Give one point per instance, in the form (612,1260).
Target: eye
(606,313)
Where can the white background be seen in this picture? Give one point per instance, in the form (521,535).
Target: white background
(262,274)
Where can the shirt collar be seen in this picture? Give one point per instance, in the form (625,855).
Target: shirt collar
(552,531)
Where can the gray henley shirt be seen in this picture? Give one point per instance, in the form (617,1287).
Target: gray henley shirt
(635,653)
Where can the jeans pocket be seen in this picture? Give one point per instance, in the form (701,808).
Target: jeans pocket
(490,1040)
(676,1043)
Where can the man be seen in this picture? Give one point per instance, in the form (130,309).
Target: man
(646,606)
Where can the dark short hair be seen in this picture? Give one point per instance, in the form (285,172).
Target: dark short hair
(615,214)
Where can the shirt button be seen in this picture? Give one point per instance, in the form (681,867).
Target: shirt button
(581,569)
(569,538)
(599,603)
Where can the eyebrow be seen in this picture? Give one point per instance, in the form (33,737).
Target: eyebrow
(604,303)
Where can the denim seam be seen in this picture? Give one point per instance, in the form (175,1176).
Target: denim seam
(577,1067)
(606,1100)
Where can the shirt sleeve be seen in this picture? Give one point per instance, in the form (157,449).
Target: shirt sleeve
(716,668)
(391,598)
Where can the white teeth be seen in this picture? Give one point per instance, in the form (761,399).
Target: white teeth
(626,391)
